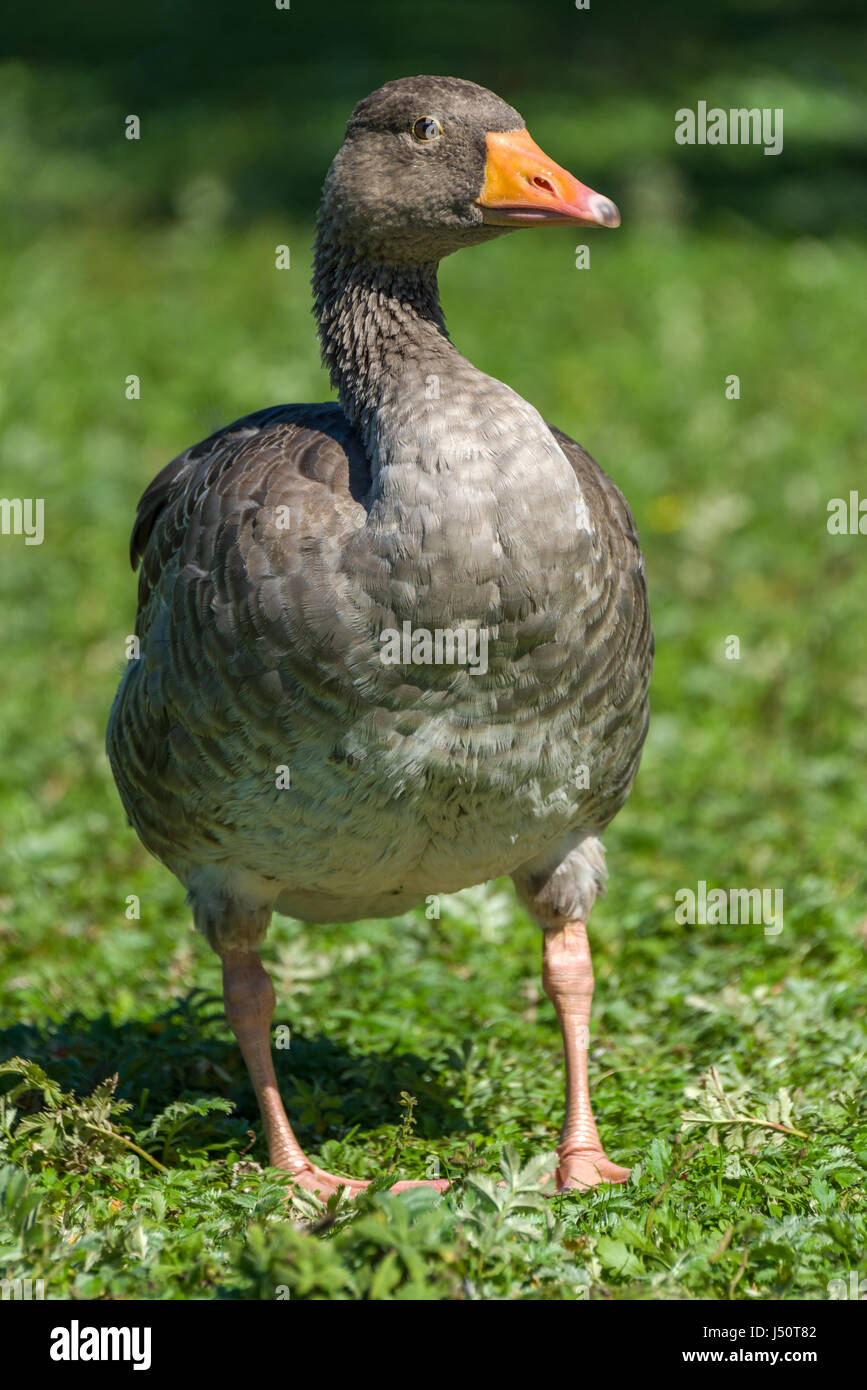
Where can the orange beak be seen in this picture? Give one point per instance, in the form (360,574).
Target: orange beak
(524,188)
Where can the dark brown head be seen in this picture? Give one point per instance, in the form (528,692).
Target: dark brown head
(431,164)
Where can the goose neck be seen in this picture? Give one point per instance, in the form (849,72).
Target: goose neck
(382,333)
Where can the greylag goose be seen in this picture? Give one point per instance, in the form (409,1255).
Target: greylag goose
(398,645)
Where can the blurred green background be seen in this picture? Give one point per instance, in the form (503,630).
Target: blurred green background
(156,258)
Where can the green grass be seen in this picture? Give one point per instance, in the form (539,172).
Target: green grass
(752,776)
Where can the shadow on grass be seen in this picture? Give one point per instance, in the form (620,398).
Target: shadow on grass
(184,1054)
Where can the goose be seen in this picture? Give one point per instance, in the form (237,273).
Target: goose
(397,644)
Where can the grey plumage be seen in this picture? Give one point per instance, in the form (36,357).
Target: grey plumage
(431,494)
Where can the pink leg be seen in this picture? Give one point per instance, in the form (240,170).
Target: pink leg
(567,977)
(249,1000)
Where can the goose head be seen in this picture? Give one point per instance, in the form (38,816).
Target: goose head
(431,164)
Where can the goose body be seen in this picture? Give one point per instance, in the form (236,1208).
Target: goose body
(391,646)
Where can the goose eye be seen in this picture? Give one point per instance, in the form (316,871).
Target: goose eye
(427,128)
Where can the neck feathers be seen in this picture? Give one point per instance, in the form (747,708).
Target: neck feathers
(381,328)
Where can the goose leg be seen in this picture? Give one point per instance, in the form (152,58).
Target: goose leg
(249,999)
(567,978)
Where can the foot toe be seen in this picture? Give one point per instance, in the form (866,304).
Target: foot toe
(323,1185)
(438,1184)
(586,1169)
